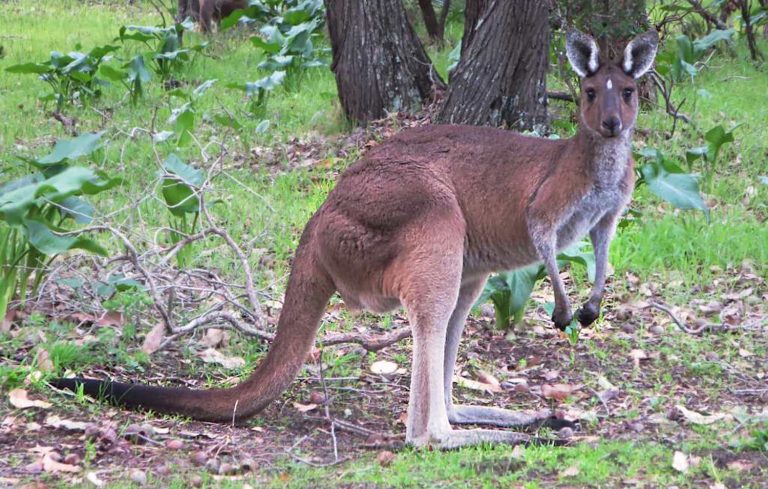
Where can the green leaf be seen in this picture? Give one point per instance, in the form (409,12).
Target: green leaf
(179,189)
(112,74)
(706,42)
(576,254)
(203,87)
(35,68)
(679,189)
(71,149)
(48,243)
(716,138)
(78,209)
(137,70)
(510,291)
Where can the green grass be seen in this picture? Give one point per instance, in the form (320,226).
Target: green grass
(266,206)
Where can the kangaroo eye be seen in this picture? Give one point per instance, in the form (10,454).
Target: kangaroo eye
(591,94)
(628,94)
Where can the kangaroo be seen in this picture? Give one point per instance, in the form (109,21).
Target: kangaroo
(215,10)
(420,222)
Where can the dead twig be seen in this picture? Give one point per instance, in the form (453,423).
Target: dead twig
(709,327)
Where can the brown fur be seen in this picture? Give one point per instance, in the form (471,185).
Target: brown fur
(420,222)
(214,10)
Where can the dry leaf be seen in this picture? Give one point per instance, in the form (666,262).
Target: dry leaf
(44,362)
(385,458)
(487,378)
(94,479)
(304,408)
(56,422)
(214,337)
(7,321)
(740,465)
(18,399)
(558,392)
(744,353)
(680,462)
(475,385)
(570,472)
(52,466)
(153,339)
(698,418)
(383,367)
(111,318)
(214,356)
(636,356)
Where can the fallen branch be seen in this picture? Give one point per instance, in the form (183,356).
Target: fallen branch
(707,15)
(709,327)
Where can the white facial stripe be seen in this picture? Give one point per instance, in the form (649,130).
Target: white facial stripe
(609,84)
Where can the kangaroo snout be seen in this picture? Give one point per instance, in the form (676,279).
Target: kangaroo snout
(612,125)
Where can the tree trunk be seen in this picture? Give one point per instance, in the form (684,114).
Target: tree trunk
(746,18)
(473,10)
(187,8)
(379,62)
(434,28)
(500,78)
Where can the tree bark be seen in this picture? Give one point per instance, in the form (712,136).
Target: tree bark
(187,8)
(473,10)
(746,17)
(501,77)
(379,62)
(434,28)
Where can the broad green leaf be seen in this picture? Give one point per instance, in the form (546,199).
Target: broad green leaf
(48,243)
(716,138)
(576,254)
(706,42)
(137,70)
(203,87)
(77,208)
(179,190)
(36,68)
(71,149)
(679,189)
(112,74)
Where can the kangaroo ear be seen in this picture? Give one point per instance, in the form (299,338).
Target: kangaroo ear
(639,54)
(582,52)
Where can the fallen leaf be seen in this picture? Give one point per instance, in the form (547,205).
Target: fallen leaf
(93,478)
(111,318)
(5,324)
(698,418)
(570,472)
(52,466)
(18,399)
(153,339)
(383,367)
(740,465)
(44,362)
(680,462)
(475,385)
(304,408)
(487,378)
(636,356)
(385,458)
(56,422)
(214,337)
(558,392)
(744,353)
(605,383)
(214,356)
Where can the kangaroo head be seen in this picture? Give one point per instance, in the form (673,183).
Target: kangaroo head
(608,89)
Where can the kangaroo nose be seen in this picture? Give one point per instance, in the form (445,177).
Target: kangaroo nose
(613,124)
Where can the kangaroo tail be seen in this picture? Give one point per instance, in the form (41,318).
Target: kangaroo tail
(307,294)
